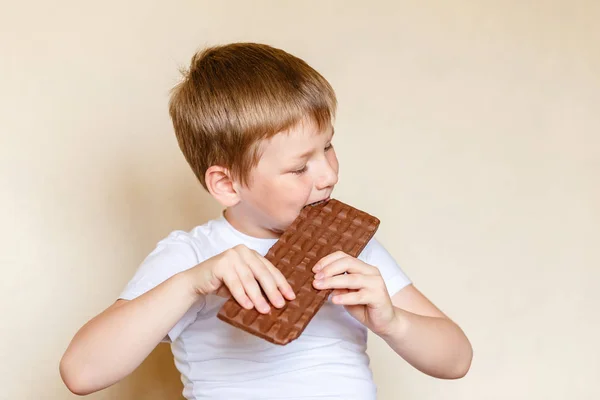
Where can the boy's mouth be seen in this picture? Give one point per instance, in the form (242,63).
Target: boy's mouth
(319,202)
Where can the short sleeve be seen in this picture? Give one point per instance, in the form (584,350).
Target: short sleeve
(172,255)
(375,254)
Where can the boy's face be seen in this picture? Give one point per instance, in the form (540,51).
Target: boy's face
(297,168)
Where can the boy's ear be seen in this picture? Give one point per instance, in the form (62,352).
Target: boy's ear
(221,186)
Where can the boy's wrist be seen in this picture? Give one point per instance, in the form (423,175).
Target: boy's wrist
(186,284)
(397,327)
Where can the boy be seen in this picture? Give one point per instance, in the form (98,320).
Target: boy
(255,125)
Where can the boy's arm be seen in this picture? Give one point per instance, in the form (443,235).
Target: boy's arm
(426,338)
(412,326)
(114,343)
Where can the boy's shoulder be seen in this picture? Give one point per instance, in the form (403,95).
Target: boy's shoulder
(201,239)
(178,251)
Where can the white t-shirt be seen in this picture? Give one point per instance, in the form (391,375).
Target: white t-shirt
(218,361)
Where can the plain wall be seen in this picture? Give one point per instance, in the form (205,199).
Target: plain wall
(470,128)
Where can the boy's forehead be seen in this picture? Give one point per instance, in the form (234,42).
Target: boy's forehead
(298,139)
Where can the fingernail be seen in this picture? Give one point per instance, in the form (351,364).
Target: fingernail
(318,283)
(316,268)
(319,275)
(292,294)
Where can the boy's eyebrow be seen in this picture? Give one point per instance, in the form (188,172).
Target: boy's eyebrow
(310,152)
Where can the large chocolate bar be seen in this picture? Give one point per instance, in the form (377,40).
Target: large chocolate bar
(319,230)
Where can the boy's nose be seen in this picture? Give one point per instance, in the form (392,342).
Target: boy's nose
(328,177)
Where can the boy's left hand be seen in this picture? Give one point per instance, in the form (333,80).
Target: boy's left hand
(359,287)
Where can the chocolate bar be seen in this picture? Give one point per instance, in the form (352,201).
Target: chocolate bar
(319,230)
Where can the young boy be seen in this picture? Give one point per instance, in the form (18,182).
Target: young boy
(256,126)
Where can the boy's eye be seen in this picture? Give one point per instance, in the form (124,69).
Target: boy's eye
(300,171)
(303,169)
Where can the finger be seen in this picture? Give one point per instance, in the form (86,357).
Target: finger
(284,287)
(347,265)
(352,298)
(252,289)
(346,281)
(266,279)
(235,287)
(328,259)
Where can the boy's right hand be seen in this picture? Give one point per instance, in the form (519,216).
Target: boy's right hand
(241,272)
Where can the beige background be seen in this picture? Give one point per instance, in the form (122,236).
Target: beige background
(481,125)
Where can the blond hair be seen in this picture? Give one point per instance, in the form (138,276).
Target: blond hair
(236,95)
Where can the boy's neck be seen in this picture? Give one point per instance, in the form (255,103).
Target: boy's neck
(245,226)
